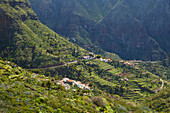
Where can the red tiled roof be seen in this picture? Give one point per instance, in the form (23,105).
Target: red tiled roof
(69,80)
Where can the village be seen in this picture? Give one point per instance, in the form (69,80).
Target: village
(66,82)
(92,56)
(131,63)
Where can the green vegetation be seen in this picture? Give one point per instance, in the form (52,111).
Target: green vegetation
(24,91)
(115,86)
(113,78)
(89,11)
(160,69)
(114,26)
(30,43)
(160,102)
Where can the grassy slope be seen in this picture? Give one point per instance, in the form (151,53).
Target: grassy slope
(24,91)
(34,33)
(108,77)
(161,69)
(160,102)
(32,44)
(95,10)
(75,9)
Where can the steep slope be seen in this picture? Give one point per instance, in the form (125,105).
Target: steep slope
(161,69)
(24,91)
(116,78)
(160,102)
(132,29)
(66,18)
(133,36)
(29,43)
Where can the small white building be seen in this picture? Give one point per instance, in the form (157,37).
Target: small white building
(86,57)
(65,79)
(126,79)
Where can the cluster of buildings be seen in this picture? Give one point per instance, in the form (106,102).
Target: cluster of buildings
(66,81)
(127,63)
(92,54)
(86,57)
(132,63)
(126,79)
(105,60)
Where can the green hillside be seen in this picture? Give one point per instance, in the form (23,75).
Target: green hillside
(115,78)
(24,91)
(131,29)
(41,71)
(161,69)
(160,102)
(80,15)
(29,43)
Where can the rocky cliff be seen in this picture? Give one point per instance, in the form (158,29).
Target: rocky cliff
(10,20)
(132,29)
(125,32)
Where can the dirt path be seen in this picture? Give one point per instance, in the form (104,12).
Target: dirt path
(162,84)
(157,90)
(72,62)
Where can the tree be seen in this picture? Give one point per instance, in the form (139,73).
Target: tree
(99,101)
(98,56)
(165,62)
(91,55)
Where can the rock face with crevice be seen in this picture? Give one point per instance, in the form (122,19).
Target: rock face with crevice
(133,29)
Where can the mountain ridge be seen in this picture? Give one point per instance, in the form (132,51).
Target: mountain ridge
(112,85)
(29,43)
(122,27)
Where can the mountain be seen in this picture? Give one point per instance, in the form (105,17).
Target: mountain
(58,78)
(159,102)
(132,29)
(27,42)
(125,79)
(24,91)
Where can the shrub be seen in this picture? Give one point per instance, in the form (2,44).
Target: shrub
(99,101)
(98,56)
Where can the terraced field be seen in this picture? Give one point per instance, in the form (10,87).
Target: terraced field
(133,86)
(107,67)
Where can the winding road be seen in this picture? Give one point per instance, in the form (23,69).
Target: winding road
(157,90)
(67,63)
(61,65)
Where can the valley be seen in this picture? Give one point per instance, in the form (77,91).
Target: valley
(71,62)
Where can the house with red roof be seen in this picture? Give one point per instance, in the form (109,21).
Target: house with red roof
(86,57)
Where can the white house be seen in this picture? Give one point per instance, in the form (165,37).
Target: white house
(65,79)
(86,57)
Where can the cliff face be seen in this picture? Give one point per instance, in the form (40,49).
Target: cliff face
(157,23)
(129,33)
(132,29)
(64,17)
(5,23)
(11,15)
